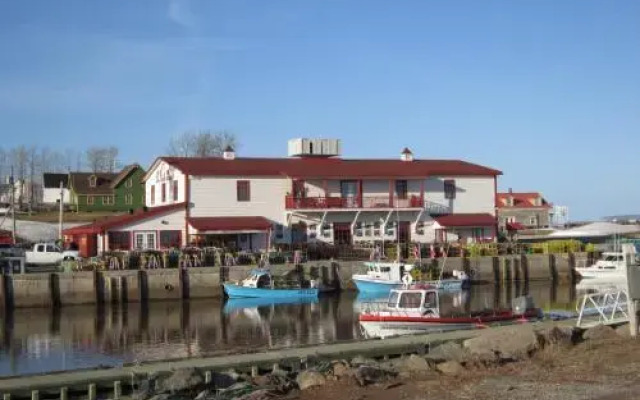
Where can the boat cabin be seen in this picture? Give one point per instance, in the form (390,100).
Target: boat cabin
(423,301)
(387,271)
(258,279)
(617,260)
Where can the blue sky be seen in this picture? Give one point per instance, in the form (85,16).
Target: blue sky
(547,91)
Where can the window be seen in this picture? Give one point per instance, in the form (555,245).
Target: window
(40,248)
(533,220)
(313,231)
(107,200)
(52,249)
(120,240)
(358,229)
(376,228)
(129,183)
(401,189)
(128,199)
(243,190)
(93,181)
(175,190)
(90,200)
(170,239)
(163,193)
(145,241)
(449,189)
(410,300)
(153,194)
(390,229)
(393,299)
(279,231)
(368,229)
(326,230)
(420,228)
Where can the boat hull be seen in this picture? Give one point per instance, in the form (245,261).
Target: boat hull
(368,285)
(240,292)
(602,274)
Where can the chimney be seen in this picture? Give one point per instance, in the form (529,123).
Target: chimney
(406,155)
(228,153)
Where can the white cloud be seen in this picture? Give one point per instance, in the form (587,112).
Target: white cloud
(179,11)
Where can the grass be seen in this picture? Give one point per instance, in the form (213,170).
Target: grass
(69,216)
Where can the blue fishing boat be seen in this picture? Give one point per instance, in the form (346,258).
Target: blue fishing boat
(259,284)
(381,277)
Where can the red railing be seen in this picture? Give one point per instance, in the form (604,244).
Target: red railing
(322,202)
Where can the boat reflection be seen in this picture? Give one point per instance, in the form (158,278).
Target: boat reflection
(232,305)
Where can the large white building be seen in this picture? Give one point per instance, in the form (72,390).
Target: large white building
(313,195)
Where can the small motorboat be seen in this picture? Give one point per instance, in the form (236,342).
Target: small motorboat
(259,284)
(382,277)
(415,309)
(612,265)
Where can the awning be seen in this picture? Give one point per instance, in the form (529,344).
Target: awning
(515,226)
(465,220)
(596,229)
(230,224)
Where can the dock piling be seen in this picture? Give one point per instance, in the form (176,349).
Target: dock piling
(64,393)
(35,395)
(208,377)
(117,390)
(92,391)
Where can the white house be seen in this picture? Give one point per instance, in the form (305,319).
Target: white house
(51,188)
(313,195)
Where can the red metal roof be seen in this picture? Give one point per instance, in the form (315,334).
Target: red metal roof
(326,167)
(460,220)
(120,220)
(230,224)
(521,200)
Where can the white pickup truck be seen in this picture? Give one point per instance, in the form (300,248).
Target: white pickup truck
(49,254)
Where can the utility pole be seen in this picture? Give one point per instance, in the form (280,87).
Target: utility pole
(61,211)
(13,207)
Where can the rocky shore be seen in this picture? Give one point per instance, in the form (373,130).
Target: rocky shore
(515,363)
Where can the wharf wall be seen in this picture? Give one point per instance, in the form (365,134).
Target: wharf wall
(124,286)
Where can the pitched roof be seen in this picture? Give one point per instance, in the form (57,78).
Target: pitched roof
(522,200)
(108,223)
(326,167)
(230,224)
(80,182)
(466,220)
(126,171)
(52,180)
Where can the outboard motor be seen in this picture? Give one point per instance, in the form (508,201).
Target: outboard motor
(521,304)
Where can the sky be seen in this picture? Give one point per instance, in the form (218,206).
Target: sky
(546,91)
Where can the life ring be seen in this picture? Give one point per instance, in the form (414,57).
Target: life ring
(407,279)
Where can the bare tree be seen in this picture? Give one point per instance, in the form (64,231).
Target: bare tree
(205,143)
(102,159)
(94,159)
(20,163)
(111,158)
(3,165)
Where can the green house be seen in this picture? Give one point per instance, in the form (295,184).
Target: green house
(102,191)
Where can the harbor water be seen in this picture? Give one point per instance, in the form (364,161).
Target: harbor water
(43,340)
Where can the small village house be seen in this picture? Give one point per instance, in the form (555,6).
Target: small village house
(523,210)
(102,191)
(51,188)
(313,195)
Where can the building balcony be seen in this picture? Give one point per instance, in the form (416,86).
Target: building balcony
(352,203)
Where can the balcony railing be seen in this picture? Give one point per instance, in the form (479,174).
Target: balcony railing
(355,202)
(433,208)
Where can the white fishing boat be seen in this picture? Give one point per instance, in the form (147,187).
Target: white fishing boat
(416,309)
(612,266)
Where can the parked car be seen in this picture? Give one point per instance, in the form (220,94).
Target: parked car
(49,254)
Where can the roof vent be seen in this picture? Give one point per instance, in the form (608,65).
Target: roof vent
(406,155)
(304,147)
(229,153)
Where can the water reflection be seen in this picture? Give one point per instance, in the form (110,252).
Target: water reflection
(39,340)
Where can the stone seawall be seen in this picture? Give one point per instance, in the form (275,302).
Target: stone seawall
(61,289)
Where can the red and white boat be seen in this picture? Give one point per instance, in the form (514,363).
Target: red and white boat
(415,309)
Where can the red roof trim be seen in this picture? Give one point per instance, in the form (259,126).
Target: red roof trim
(230,224)
(521,200)
(515,226)
(324,167)
(466,220)
(121,220)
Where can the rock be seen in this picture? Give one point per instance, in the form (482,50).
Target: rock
(623,330)
(162,396)
(308,379)
(341,370)
(449,351)
(187,379)
(262,394)
(144,389)
(556,336)
(359,360)
(450,368)
(508,343)
(412,365)
(222,380)
(367,374)
(261,380)
(599,332)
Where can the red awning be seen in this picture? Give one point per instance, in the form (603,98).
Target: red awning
(465,220)
(515,226)
(89,229)
(230,224)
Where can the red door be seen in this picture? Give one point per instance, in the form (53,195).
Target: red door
(341,233)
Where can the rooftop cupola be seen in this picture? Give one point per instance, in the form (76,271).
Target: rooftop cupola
(406,155)
(229,153)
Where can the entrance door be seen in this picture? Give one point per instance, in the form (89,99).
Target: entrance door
(342,233)
(404,237)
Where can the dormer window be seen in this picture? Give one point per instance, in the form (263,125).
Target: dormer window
(93,180)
